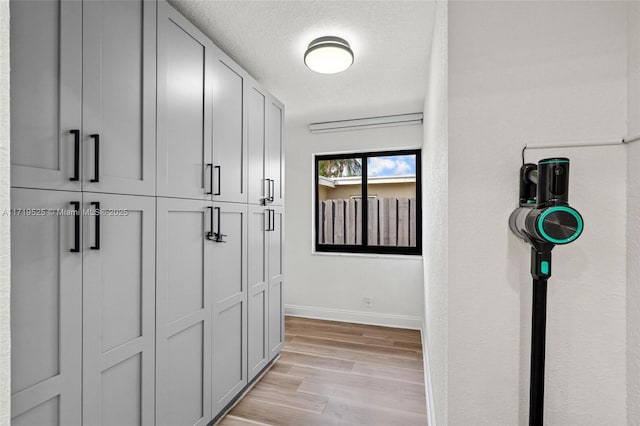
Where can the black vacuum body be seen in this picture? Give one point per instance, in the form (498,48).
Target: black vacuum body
(544,220)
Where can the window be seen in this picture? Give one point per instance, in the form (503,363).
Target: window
(368,202)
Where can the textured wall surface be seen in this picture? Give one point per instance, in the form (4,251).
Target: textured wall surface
(633,216)
(5,263)
(534,72)
(333,286)
(435,154)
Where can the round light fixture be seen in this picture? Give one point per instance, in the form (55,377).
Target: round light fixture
(328,55)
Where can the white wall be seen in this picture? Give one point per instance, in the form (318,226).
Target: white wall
(531,72)
(331,286)
(435,227)
(5,263)
(633,216)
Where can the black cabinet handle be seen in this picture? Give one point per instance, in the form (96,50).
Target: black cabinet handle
(272,190)
(219,168)
(209,234)
(97,230)
(76,155)
(273,220)
(210,191)
(76,226)
(96,159)
(217,237)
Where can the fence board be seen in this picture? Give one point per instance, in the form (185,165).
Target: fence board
(338,221)
(350,222)
(403,222)
(328,222)
(358,221)
(393,221)
(372,231)
(412,223)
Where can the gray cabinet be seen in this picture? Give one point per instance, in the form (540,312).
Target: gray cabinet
(118,310)
(229,131)
(184,281)
(185,65)
(274,150)
(119,96)
(258,291)
(46,90)
(265,147)
(89,63)
(46,308)
(229,261)
(275,265)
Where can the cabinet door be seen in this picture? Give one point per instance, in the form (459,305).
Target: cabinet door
(118,310)
(258,296)
(229,259)
(184,274)
(46,309)
(255,144)
(119,96)
(46,90)
(274,150)
(185,64)
(229,153)
(276,281)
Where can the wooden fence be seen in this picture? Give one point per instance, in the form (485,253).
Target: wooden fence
(392,222)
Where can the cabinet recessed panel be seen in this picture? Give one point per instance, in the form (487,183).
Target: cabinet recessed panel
(276,330)
(121,387)
(122,88)
(276,246)
(35,83)
(227,351)
(257,328)
(185,376)
(35,299)
(257,273)
(121,278)
(255,145)
(229,274)
(185,113)
(45,414)
(228,133)
(185,263)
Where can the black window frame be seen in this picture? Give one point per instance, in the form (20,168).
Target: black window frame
(364,248)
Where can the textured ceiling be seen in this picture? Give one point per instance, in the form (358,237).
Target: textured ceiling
(390,39)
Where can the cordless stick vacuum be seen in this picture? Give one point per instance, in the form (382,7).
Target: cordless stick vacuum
(544,220)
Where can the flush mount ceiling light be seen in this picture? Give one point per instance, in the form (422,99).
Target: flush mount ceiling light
(328,55)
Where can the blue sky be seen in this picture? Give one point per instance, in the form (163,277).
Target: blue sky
(395,165)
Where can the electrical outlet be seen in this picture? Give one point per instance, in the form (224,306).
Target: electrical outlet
(368,301)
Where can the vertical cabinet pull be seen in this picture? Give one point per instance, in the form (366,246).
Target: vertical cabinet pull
(76,155)
(96,158)
(271,220)
(209,234)
(76,227)
(217,236)
(97,229)
(272,190)
(210,191)
(219,183)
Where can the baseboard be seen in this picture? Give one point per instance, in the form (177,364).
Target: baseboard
(370,318)
(431,414)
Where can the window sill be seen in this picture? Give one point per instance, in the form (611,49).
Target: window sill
(414,257)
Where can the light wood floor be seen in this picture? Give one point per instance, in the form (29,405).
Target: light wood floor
(333,373)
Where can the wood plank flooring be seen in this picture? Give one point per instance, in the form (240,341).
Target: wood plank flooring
(333,373)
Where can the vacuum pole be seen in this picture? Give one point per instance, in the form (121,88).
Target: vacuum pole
(538,333)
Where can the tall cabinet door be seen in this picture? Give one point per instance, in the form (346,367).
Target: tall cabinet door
(274,150)
(119,96)
(118,310)
(256,185)
(46,91)
(229,132)
(258,296)
(46,308)
(276,280)
(229,259)
(185,64)
(184,275)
